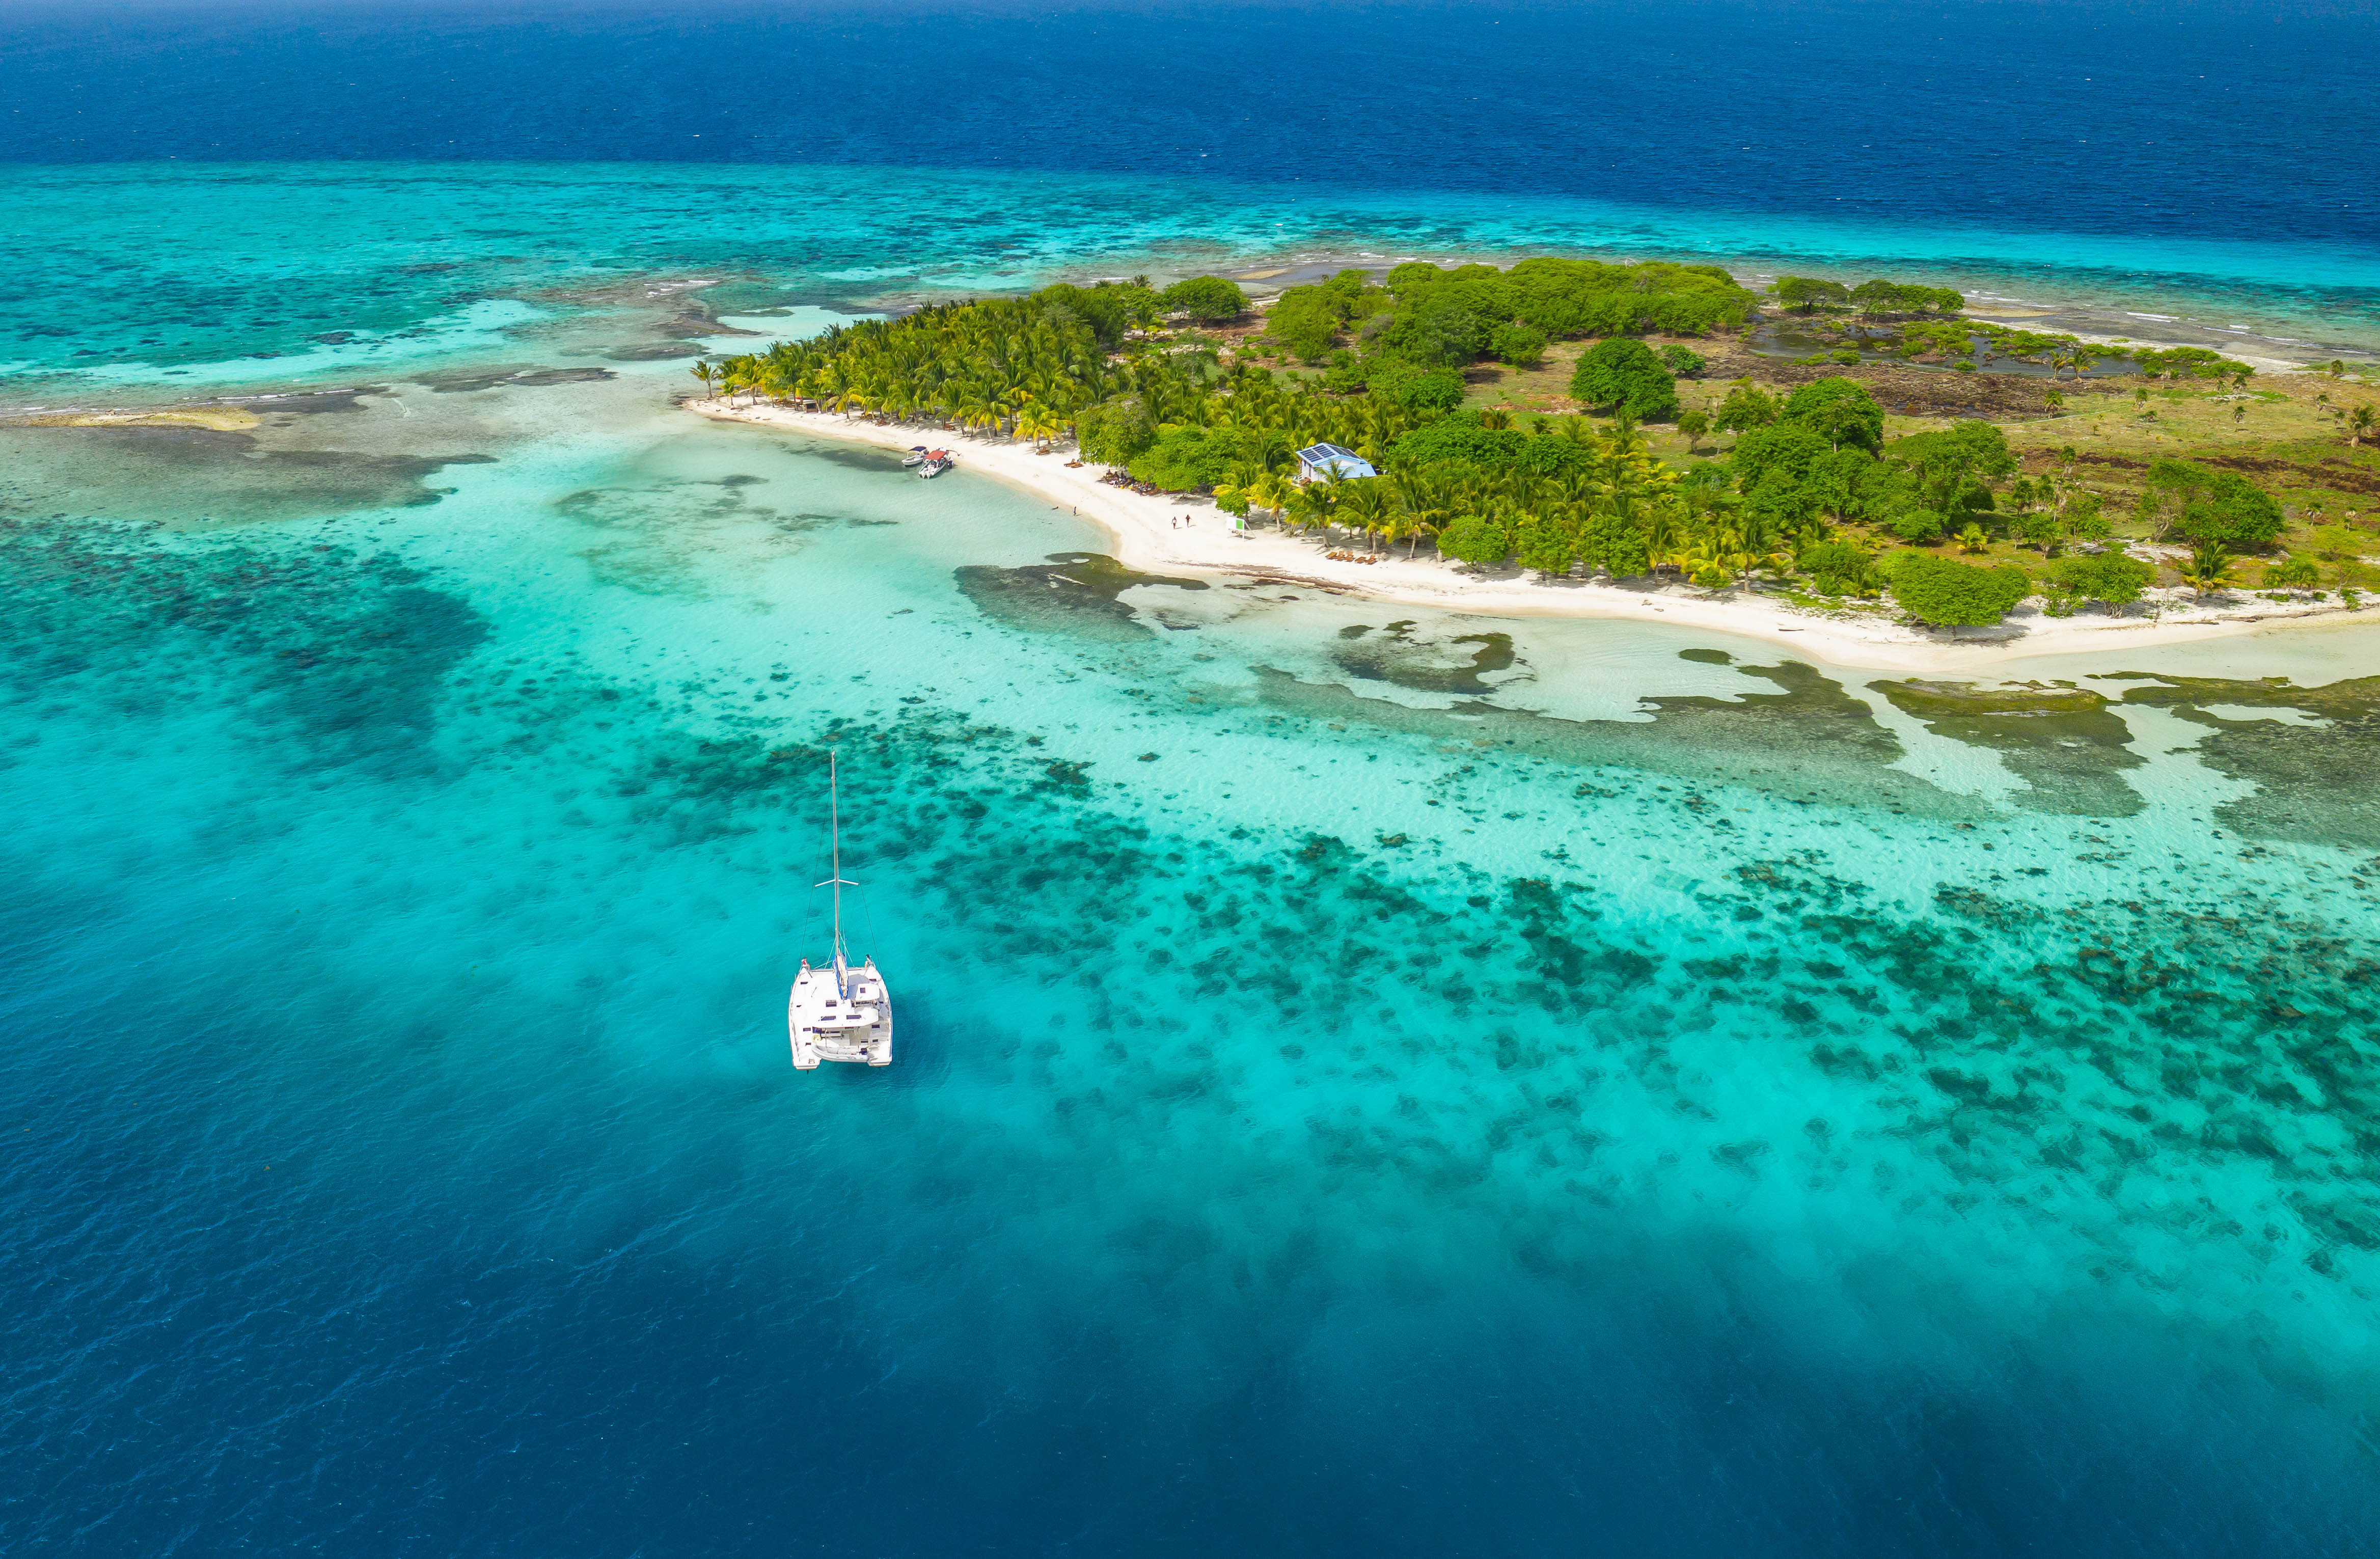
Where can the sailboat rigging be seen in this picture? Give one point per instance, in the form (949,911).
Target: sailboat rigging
(838,1013)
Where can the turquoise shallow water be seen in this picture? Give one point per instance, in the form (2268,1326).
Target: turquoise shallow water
(1365,1086)
(148,277)
(1651,1086)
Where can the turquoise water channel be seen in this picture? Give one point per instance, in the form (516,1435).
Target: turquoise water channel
(1325,1026)
(152,278)
(1392,1082)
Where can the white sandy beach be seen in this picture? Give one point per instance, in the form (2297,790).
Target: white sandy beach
(1159,534)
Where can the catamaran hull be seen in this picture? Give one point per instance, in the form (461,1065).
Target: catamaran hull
(851,1024)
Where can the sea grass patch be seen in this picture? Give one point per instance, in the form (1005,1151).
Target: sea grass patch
(2065,742)
(1077,592)
(2316,783)
(1394,655)
(188,474)
(1808,740)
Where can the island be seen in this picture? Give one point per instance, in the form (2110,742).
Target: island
(1871,468)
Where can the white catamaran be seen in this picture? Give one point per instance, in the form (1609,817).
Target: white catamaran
(839,1013)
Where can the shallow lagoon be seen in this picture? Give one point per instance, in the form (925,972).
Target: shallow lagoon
(1353,1083)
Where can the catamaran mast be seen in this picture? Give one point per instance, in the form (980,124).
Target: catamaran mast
(834,843)
(836,878)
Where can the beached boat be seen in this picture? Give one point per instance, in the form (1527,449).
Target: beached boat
(916,455)
(838,1013)
(937,462)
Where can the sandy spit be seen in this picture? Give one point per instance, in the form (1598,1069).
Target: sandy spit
(1158,535)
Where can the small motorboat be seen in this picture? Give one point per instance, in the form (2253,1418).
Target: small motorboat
(916,455)
(937,462)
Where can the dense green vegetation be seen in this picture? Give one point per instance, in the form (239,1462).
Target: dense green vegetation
(1622,375)
(1811,486)
(2198,504)
(1944,593)
(2108,578)
(1872,298)
(1425,320)
(1205,299)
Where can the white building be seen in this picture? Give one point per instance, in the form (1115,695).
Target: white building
(1318,460)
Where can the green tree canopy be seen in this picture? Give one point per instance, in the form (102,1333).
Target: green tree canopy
(2189,362)
(1915,526)
(1113,434)
(1438,389)
(1839,567)
(1974,446)
(1548,540)
(1946,594)
(1463,438)
(1523,346)
(2109,578)
(2217,506)
(1806,293)
(1306,321)
(1109,309)
(1205,299)
(1746,407)
(1615,542)
(1440,332)
(1477,539)
(1581,296)
(1952,470)
(1683,362)
(1881,296)
(1346,290)
(1184,460)
(1851,485)
(1624,375)
(1793,448)
(1782,501)
(1841,410)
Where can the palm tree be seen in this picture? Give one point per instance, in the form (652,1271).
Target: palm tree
(1755,546)
(1709,562)
(2361,423)
(1366,504)
(1973,540)
(981,364)
(2209,569)
(974,410)
(1308,505)
(1285,488)
(1333,484)
(703,371)
(1425,503)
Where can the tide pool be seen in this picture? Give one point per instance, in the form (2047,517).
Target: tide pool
(1371,1080)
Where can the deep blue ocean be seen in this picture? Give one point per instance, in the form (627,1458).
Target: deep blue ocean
(1359,1094)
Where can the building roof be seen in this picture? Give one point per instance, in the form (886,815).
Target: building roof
(1335,457)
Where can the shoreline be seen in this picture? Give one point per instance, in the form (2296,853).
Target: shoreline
(1147,539)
